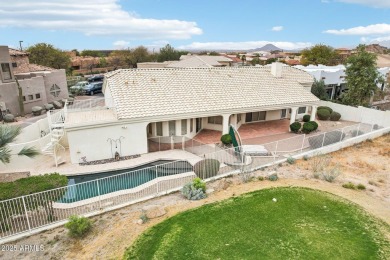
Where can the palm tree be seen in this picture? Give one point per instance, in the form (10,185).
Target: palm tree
(7,136)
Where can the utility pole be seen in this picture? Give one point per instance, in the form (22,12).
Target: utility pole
(20,44)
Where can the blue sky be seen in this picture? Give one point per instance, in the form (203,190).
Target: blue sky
(196,24)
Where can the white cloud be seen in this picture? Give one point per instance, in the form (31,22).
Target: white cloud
(374,29)
(277,28)
(91,17)
(121,44)
(373,3)
(243,45)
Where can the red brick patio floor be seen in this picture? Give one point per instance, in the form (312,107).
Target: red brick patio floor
(262,131)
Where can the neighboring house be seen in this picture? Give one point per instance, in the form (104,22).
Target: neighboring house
(40,85)
(334,77)
(147,103)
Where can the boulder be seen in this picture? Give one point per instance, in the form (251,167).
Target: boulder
(8,118)
(57,105)
(48,107)
(154,211)
(36,110)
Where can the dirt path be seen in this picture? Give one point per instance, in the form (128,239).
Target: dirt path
(366,163)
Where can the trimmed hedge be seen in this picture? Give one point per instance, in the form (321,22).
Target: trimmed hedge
(326,108)
(33,184)
(308,127)
(323,114)
(306,118)
(315,125)
(335,116)
(9,118)
(226,139)
(207,168)
(295,127)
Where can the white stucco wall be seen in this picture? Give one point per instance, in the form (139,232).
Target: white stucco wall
(93,142)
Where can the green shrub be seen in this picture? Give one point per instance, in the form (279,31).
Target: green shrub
(291,160)
(349,185)
(226,139)
(334,116)
(308,127)
(207,168)
(306,157)
(295,127)
(273,177)
(306,118)
(323,114)
(360,187)
(9,118)
(326,108)
(78,226)
(261,178)
(330,174)
(36,110)
(315,125)
(199,184)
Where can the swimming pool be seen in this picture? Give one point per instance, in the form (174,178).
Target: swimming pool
(81,187)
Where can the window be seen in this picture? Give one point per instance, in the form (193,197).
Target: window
(14,65)
(24,98)
(30,97)
(183,126)
(215,120)
(6,71)
(38,96)
(255,116)
(238,118)
(159,129)
(172,128)
(283,113)
(191,125)
(55,90)
(301,110)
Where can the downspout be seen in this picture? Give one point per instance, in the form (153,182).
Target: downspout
(20,98)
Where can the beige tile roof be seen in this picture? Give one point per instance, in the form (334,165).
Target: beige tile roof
(35,67)
(202,61)
(163,92)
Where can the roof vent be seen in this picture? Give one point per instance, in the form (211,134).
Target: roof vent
(276,69)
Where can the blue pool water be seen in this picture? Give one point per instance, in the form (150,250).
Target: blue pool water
(95,184)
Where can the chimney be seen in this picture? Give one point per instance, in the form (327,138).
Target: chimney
(276,69)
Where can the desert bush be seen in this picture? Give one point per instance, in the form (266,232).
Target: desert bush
(36,110)
(194,193)
(78,226)
(323,114)
(331,173)
(349,185)
(226,139)
(355,133)
(306,118)
(308,127)
(291,160)
(334,116)
(144,217)
(206,168)
(360,187)
(273,177)
(375,127)
(260,178)
(48,107)
(319,163)
(306,157)
(325,108)
(295,127)
(9,118)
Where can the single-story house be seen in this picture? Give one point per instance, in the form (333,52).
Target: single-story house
(147,103)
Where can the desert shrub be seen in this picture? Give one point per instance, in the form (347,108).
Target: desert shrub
(323,114)
(319,163)
(308,127)
(291,160)
(349,185)
(315,125)
(273,177)
(207,168)
(330,174)
(36,110)
(48,106)
(306,118)
(194,190)
(360,187)
(226,139)
(261,178)
(295,127)
(325,108)
(144,217)
(305,157)
(334,116)
(78,226)
(9,118)
(375,127)
(355,133)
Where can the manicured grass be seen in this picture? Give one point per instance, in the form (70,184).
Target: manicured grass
(302,224)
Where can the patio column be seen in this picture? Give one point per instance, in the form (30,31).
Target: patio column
(293,115)
(225,124)
(313,113)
